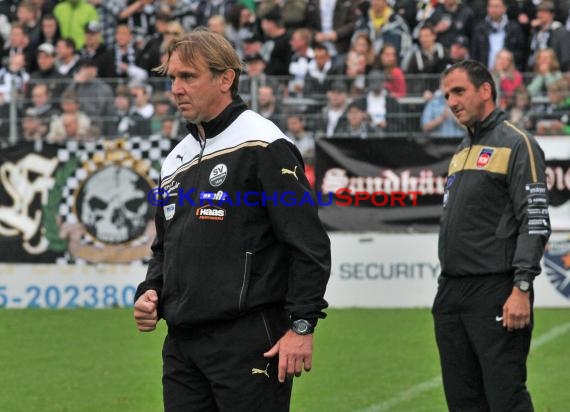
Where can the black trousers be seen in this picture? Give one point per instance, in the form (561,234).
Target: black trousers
(483,364)
(220,367)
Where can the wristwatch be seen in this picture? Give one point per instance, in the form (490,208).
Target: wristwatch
(523,285)
(302,327)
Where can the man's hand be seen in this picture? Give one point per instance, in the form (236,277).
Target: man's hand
(295,351)
(516,310)
(146,315)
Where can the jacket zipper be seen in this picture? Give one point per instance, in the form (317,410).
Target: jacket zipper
(245,282)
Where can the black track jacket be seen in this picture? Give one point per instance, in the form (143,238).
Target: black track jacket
(495,217)
(215,257)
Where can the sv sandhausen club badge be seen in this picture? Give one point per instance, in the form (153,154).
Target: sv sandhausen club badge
(218,175)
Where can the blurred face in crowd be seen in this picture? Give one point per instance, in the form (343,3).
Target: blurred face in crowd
(321,57)
(18,38)
(139,96)
(265,96)
(361,45)
(122,103)
(388,57)
(336,98)
(295,125)
(496,9)
(40,95)
(458,52)
(217,24)
(93,40)
(355,116)
(63,51)
(49,27)
(503,61)
(70,124)
(31,126)
(378,5)
(298,42)
(123,36)
(255,68)
(427,38)
(25,14)
(45,61)
(69,106)
(465,100)
(251,48)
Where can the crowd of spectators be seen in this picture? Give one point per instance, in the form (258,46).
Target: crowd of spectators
(82,69)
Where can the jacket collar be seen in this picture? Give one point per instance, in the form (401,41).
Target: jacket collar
(489,122)
(218,124)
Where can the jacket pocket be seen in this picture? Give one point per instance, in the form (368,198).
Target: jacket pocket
(245,282)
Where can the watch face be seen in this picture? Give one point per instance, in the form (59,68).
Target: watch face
(301,326)
(523,285)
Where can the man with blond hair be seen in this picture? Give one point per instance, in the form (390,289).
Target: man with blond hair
(240,286)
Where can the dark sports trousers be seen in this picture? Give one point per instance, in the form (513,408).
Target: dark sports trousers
(220,367)
(483,364)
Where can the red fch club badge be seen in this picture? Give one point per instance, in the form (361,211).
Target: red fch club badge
(484,157)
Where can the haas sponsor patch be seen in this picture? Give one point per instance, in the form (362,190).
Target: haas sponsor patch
(484,157)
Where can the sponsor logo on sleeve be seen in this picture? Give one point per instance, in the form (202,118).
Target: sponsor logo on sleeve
(537,209)
(169,211)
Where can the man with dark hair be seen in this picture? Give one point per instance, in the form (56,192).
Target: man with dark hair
(240,287)
(494,228)
(549,33)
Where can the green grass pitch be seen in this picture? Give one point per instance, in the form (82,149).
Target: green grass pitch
(365,360)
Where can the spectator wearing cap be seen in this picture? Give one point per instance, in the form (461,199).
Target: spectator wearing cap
(47,72)
(333,113)
(68,104)
(141,110)
(333,23)
(125,58)
(95,97)
(49,30)
(72,16)
(452,18)
(108,10)
(496,32)
(459,49)
(303,55)
(358,123)
(549,33)
(95,50)
(384,111)
(254,72)
(28,16)
(277,48)
(252,44)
